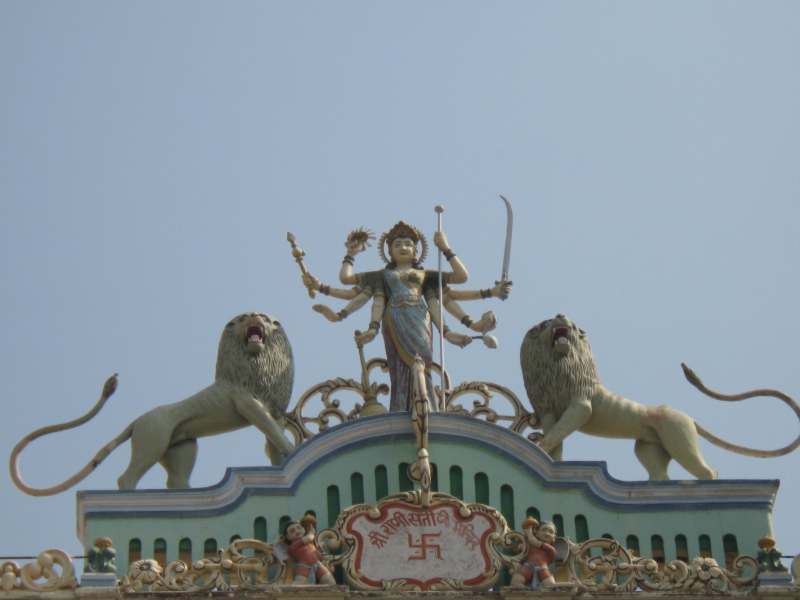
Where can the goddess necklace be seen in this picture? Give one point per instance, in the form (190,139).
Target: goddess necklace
(404,273)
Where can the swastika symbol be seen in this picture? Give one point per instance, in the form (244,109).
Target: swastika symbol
(425,545)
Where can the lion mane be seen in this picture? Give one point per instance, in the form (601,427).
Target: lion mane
(552,382)
(268,375)
(564,389)
(252,386)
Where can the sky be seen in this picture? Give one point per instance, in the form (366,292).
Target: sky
(154,155)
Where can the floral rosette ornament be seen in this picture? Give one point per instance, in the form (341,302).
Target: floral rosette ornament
(141,573)
(706,568)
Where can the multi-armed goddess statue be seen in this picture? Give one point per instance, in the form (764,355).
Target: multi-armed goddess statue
(405,300)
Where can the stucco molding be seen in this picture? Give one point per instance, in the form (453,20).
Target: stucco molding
(591,478)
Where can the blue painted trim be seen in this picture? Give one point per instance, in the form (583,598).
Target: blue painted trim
(504,450)
(603,467)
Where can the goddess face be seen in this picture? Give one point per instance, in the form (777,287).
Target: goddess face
(403,250)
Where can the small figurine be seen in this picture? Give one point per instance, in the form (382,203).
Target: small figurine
(100,558)
(769,557)
(541,553)
(297,542)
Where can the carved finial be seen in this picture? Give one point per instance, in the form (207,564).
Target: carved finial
(298,255)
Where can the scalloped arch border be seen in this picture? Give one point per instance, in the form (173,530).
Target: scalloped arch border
(589,477)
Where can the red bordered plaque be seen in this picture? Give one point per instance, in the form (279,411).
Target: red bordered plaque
(398,544)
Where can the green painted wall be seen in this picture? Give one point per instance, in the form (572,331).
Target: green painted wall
(748,525)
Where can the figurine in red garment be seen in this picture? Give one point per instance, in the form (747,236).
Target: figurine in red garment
(534,570)
(307,567)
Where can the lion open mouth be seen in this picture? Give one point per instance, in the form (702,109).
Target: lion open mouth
(255,333)
(560,336)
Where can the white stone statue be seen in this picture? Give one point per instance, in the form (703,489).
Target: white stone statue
(405,301)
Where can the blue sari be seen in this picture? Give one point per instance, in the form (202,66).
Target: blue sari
(406,333)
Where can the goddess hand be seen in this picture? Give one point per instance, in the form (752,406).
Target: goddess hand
(440,241)
(487,323)
(311,282)
(365,337)
(458,339)
(354,247)
(327,313)
(502,289)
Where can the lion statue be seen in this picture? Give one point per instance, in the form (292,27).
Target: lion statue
(253,385)
(563,386)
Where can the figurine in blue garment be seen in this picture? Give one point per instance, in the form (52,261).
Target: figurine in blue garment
(405,301)
(100,558)
(769,557)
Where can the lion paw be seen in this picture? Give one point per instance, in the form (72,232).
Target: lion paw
(536,437)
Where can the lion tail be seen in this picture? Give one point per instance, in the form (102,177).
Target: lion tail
(13,464)
(692,377)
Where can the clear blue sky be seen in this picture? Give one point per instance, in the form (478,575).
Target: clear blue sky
(154,156)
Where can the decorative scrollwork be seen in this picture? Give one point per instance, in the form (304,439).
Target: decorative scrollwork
(296,421)
(520,421)
(13,577)
(389,537)
(392,585)
(617,569)
(251,572)
(420,471)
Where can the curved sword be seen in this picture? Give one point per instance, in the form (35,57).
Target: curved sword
(507,253)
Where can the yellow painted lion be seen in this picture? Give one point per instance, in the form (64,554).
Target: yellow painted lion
(564,388)
(253,385)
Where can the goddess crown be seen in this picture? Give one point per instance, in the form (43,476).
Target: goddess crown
(402,230)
